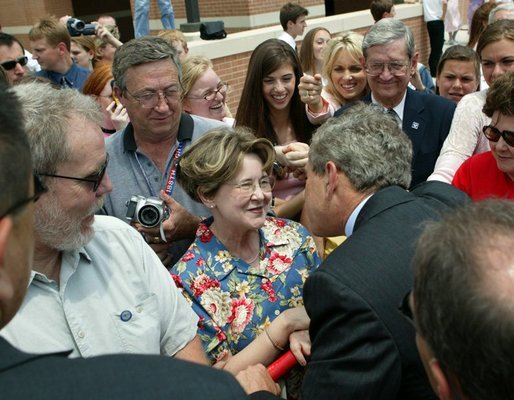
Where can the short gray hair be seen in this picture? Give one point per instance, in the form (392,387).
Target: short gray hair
(48,112)
(367,145)
(141,51)
(386,31)
(501,7)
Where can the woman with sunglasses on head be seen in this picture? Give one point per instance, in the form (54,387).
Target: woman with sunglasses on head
(346,79)
(245,271)
(99,86)
(491,174)
(204,93)
(496,50)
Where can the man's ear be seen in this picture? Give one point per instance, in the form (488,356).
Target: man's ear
(186,106)
(332,178)
(61,46)
(362,60)
(5,230)
(414,61)
(440,380)
(289,25)
(6,287)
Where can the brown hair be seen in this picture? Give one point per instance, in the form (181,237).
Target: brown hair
(95,83)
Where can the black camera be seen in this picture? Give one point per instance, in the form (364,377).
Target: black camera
(77,27)
(149,212)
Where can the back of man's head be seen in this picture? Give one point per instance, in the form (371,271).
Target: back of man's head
(138,52)
(379,7)
(367,145)
(291,12)
(49,113)
(464,298)
(15,164)
(388,30)
(51,29)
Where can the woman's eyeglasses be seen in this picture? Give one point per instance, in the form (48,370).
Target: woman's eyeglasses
(494,134)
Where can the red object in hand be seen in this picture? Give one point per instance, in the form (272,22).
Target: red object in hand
(281,365)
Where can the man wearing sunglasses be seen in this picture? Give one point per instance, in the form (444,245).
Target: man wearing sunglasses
(12,57)
(26,376)
(390,59)
(463,299)
(96,286)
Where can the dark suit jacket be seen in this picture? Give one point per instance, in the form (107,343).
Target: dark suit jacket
(127,377)
(426,120)
(362,346)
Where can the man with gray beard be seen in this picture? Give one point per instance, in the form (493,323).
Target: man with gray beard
(96,286)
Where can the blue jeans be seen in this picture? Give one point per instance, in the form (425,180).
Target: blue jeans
(142,19)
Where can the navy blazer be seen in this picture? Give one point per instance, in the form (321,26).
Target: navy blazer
(362,346)
(426,120)
(128,377)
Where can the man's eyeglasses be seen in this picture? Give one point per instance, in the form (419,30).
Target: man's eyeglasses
(494,134)
(95,179)
(211,94)
(151,99)
(248,188)
(396,68)
(39,189)
(8,65)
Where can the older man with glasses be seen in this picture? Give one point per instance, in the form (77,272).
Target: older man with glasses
(390,60)
(147,79)
(96,286)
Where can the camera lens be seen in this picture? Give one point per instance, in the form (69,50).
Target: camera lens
(149,216)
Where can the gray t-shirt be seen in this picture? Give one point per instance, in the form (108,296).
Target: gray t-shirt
(133,173)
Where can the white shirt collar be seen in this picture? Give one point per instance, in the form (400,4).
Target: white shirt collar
(350,224)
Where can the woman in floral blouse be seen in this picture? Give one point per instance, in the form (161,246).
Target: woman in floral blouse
(245,271)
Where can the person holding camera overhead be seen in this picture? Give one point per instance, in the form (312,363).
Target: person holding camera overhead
(50,42)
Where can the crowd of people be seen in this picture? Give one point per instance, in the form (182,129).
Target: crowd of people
(353,211)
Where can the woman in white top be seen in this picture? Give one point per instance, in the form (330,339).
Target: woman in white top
(204,92)
(496,50)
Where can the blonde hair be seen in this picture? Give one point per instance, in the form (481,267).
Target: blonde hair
(51,29)
(192,69)
(173,35)
(349,41)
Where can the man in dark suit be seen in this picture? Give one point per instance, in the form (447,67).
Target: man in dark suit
(390,59)
(29,376)
(357,175)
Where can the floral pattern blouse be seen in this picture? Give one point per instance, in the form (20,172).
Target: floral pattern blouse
(236,301)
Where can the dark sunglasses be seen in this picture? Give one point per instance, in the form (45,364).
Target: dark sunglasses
(39,189)
(8,65)
(95,179)
(494,134)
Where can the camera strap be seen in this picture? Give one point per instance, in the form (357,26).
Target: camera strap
(170,184)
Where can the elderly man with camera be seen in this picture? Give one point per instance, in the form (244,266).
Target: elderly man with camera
(96,286)
(50,42)
(144,155)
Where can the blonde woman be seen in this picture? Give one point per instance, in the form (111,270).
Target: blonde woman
(346,79)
